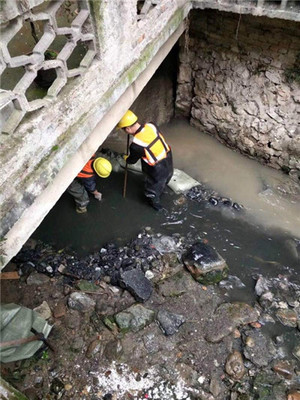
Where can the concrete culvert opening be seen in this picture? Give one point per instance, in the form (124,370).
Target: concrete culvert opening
(182,303)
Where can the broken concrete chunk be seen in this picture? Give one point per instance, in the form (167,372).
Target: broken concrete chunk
(205,264)
(168,322)
(136,283)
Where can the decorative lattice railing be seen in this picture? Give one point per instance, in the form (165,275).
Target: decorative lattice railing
(44,70)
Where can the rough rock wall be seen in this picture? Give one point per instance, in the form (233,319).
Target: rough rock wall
(239,80)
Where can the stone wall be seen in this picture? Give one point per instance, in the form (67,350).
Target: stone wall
(239,80)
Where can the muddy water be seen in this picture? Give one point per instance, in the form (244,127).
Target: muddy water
(249,247)
(261,190)
(248,244)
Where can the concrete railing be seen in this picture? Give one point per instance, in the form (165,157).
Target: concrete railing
(14,103)
(283,9)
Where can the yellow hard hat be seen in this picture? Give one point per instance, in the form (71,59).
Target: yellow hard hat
(102,167)
(128,119)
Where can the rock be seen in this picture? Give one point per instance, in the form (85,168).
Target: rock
(259,348)
(261,286)
(188,374)
(168,322)
(227,318)
(215,387)
(43,310)
(81,302)
(273,76)
(113,350)
(77,344)
(93,348)
(152,342)
(235,366)
(137,284)
(266,299)
(296,351)
(287,317)
(134,318)
(205,264)
(59,310)
(284,368)
(294,395)
(37,279)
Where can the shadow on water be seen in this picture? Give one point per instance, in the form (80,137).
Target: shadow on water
(114,219)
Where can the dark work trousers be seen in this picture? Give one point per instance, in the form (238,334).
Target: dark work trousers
(80,188)
(157,178)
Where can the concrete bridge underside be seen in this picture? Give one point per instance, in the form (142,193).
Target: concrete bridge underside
(42,155)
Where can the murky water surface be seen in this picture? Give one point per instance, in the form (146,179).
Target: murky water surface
(261,190)
(245,239)
(249,246)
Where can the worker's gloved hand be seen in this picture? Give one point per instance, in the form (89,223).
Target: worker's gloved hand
(125,156)
(98,196)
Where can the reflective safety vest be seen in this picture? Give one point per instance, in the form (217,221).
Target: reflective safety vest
(87,171)
(155,146)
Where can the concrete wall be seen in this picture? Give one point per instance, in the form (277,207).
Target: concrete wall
(239,80)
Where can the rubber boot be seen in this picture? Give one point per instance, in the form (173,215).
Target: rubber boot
(81,210)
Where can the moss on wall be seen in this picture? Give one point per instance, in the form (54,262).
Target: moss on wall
(8,392)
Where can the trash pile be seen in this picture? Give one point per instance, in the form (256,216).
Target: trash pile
(185,342)
(142,253)
(201,193)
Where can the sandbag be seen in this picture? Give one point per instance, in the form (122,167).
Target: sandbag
(15,323)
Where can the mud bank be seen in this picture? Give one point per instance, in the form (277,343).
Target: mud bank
(185,340)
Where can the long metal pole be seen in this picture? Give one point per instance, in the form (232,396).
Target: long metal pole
(125,177)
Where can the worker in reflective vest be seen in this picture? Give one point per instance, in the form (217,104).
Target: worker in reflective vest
(150,146)
(85,182)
